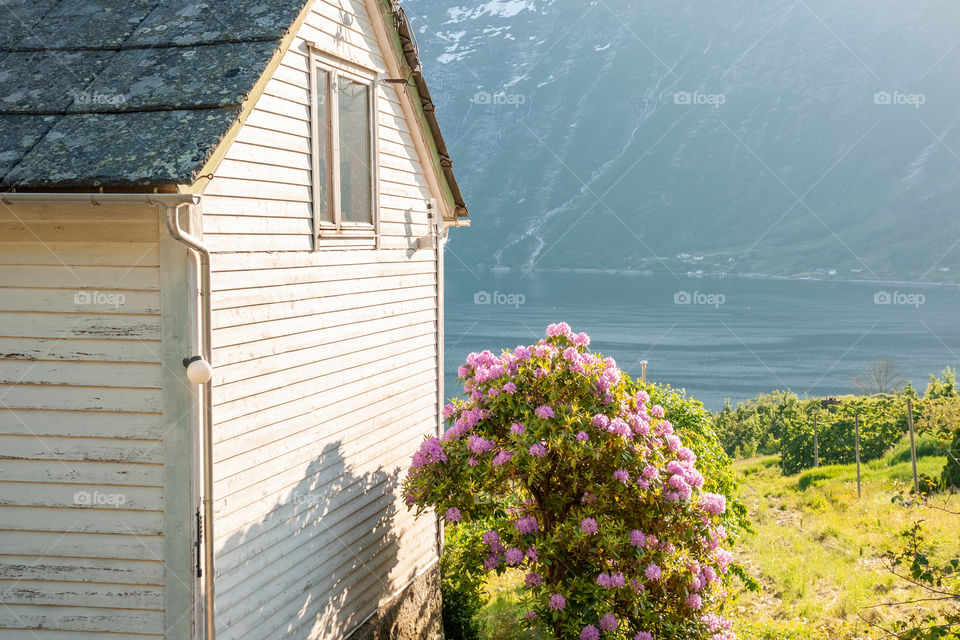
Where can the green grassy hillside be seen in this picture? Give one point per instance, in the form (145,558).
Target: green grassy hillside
(817,550)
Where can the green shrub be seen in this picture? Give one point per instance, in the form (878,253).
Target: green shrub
(461,583)
(755,426)
(927,445)
(586,485)
(950,476)
(813,477)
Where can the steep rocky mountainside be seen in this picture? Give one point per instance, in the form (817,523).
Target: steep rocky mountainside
(784,137)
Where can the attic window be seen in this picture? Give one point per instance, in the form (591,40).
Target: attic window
(343,149)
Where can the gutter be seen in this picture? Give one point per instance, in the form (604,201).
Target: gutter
(171,204)
(411,55)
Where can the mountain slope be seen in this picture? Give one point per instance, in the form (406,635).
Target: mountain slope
(778,137)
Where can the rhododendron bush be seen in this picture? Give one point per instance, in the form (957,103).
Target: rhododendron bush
(582,483)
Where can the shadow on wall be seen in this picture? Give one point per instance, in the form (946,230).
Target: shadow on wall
(413,243)
(318,563)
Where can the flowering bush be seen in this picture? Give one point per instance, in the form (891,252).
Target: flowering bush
(586,488)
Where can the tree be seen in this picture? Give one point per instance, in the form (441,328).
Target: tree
(881,376)
(914,563)
(587,487)
(940,416)
(950,476)
(944,386)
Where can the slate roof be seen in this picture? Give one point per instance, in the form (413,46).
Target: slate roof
(126,92)
(137,92)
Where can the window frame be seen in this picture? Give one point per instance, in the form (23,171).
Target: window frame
(338,227)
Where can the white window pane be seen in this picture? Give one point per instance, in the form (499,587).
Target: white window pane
(322,207)
(356,174)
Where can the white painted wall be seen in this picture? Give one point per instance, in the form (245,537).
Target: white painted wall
(326,366)
(84,433)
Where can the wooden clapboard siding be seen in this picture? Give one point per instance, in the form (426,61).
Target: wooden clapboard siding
(86,621)
(82,479)
(326,363)
(241,503)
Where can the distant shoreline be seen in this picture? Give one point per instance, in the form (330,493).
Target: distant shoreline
(717,275)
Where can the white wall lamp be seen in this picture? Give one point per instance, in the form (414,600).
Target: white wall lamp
(199,370)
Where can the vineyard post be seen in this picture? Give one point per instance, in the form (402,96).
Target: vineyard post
(913,446)
(856,422)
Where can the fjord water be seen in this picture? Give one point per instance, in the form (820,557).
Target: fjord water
(726,338)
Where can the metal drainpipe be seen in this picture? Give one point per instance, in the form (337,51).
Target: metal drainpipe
(436,230)
(203,256)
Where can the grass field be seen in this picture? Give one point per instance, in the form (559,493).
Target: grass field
(815,549)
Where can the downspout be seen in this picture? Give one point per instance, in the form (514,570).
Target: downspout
(439,228)
(203,258)
(436,229)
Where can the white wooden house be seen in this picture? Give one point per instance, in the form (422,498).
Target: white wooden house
(256,185)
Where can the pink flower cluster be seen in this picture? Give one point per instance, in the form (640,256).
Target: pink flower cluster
(478,444)
(544,412)
(527,524)
(653,572)
(453,515)
(559,329)
(430,452)
(715,623)
(609,622)
(684,478)
(502,458)
(513,556)
(608,581)
(492,539)
(467,420)
(588,526)
(713,503)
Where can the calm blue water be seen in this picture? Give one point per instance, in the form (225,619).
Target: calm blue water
(807,336)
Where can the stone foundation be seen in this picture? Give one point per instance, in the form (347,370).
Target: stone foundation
(412,615)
